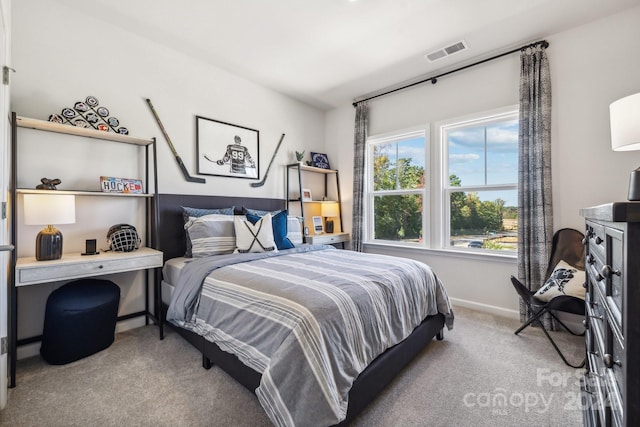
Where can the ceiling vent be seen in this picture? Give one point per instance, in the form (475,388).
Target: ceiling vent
(447,51)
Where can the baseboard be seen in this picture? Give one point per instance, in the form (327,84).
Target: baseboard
(33,349)
(498,311)
(573,321)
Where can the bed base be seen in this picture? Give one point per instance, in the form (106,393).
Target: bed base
(370,382)
(365,388)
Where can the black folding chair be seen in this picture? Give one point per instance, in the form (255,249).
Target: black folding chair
(567,245)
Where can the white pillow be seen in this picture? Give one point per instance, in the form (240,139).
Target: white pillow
(565,280)
(294,229)
(256,237)
(211,235)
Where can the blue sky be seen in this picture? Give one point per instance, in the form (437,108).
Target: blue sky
(495,162)
(467,156)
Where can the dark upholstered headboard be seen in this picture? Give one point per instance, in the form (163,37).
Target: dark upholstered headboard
(171,234)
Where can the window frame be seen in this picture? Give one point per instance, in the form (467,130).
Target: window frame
(436,215)
(480,118)
(370,194)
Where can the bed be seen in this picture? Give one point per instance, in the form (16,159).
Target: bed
(372,368)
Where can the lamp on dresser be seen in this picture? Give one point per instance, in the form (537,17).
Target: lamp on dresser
(49,209)
(329,210)
(624,115)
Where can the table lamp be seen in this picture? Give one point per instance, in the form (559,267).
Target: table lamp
(329,210)
(48,209)
(625,134)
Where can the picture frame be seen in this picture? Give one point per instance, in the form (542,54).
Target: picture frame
(320,160)
(318,227)
(306,195)
(225,149)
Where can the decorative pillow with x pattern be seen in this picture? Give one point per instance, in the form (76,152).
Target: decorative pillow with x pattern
(256,237)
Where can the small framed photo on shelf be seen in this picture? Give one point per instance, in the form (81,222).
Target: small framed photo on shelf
(317,225)
(320,160)
(306,195)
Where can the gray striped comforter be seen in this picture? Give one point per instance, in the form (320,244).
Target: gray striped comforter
(309,319)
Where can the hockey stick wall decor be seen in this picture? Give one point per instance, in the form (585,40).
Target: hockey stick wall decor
(173,149)
(261,183)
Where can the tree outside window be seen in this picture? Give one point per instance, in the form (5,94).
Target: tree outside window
(398,182)
(482,172)
(476,204)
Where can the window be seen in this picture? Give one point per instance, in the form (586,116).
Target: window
(397,187)
(480,181)
(466,193)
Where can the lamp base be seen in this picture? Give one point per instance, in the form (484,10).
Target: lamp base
(49,244)
(634,186)
(329,226)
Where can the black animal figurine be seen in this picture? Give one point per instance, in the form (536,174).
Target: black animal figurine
(48,184)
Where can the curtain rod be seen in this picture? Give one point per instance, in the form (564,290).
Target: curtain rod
(434,79)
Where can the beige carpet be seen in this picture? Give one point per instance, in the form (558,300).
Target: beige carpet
(480,375)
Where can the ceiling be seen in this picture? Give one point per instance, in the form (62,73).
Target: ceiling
(328,52)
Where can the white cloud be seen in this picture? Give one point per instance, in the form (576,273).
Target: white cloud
(463,158)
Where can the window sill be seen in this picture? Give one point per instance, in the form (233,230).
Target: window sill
(452,253)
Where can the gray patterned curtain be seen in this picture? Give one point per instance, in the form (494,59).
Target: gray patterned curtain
(535,213)
(360,141)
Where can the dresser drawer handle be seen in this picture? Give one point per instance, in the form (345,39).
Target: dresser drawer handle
(598,240)
(609,362)
(599,277)
(100,266)
(607,271)
(591,259)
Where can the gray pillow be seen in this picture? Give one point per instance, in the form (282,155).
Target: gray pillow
(211,235)
(188,213)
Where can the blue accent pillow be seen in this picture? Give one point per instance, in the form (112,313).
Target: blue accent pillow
(258,212)
(279,224)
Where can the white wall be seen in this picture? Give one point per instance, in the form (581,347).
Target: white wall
(5,60)
(61,56)
(591,66)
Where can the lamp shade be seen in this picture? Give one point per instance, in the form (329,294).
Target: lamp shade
(329,209)
(44,209)
(624,115)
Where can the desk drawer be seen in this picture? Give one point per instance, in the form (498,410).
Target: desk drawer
(48,272)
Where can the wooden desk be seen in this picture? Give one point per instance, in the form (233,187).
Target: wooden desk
(71,266)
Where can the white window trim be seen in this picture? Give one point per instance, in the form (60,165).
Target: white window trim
(436,213)
(440,127)
(388,137)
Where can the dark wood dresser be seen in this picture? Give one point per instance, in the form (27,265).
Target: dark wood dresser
(611,384)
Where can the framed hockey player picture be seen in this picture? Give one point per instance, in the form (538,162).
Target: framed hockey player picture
(225,149)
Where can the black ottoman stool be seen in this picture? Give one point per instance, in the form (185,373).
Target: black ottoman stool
(80,320)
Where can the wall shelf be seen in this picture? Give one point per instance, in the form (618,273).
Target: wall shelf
(26,122)
(306,206)
(148,148)
(80,193)
(312,168)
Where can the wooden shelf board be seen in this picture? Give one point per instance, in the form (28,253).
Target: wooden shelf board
(79,193)
(311,168)
(26,122)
